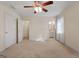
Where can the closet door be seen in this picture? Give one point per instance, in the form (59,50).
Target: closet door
(10,30)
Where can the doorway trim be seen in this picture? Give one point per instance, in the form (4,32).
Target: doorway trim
(17,30)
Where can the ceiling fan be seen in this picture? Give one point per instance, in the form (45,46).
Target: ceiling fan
(39,6)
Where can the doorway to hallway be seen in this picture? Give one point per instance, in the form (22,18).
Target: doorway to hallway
(26,29)
(52,28)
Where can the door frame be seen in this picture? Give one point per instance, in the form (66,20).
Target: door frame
(17,30)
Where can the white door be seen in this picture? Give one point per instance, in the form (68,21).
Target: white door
(10,30)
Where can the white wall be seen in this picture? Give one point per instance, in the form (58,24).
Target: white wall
(26,29)
(4,9)
(71,17)
(39,28)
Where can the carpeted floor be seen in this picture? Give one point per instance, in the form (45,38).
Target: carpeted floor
(31,49)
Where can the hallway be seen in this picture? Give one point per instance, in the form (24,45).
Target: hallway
(50,48)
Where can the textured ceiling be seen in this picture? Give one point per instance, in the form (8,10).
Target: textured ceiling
(53,9)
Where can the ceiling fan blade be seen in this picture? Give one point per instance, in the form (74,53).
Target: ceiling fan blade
(28,6)
(45,10)
(47,3)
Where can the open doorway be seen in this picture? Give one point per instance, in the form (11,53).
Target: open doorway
(26,30)
(52,28)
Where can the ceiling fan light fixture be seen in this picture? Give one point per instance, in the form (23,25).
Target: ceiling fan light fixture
(39,6)
(38,9)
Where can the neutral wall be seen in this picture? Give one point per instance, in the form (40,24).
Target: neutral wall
(71,24)
(3,9)
(39,28)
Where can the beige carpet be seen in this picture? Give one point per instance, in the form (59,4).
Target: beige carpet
(32,49)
